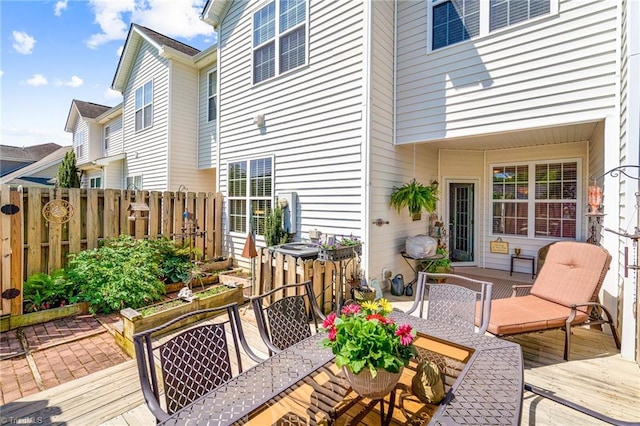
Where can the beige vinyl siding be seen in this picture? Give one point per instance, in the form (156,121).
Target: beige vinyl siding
(555,70)
(113,176)
(206,129)
(147,150)
(93,143)
(183,131)
(115,137)
(313,115)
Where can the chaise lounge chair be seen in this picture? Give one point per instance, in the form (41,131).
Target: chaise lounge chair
(564,294)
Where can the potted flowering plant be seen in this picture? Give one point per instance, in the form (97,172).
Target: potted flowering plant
(371,348)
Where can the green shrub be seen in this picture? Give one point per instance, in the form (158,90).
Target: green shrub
(122,273)
(44,291)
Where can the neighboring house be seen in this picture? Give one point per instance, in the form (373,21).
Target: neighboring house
(508,104)
(97,143)
(162,136)
(40,173)
(13,158)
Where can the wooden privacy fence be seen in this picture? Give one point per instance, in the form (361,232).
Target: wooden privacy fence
(40,227)
(274,270)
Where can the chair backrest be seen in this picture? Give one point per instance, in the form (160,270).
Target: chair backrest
(573,272)
(192,361)
(454,304)
(285,313)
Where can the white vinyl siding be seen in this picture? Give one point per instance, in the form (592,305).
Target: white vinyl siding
(549,71)
(206,129)
(279,38)
(314,121)
(115,137)
(148,151)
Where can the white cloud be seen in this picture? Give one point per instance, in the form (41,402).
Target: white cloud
(112,95)
(173,18)
(75,81)
(37,80)
(59,7)
(23,42)
(1,73)
(120,50)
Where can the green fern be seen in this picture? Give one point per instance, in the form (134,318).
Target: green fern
(414,196)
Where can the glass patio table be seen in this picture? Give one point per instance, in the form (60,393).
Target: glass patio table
(302,385)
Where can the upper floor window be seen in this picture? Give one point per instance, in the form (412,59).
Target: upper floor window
(212,92)
(279,38)
(453,21)
(144,106)
(107,135)
(536,200)
(250,194)
(79,144)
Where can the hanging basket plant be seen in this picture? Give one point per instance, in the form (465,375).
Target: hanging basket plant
(416,197)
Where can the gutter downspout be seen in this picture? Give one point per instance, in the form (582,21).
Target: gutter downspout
(366,114)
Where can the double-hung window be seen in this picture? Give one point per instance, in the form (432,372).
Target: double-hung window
(536,200)
(453,21)
(144,106)
(134,183)
(79,144)
(212,91)
(107,135)
(250,194)
(279,38)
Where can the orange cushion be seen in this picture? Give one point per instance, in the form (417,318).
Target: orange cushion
(516,315)
(572,273)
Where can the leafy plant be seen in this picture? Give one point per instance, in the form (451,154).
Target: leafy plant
(274,233)
(415,197)
(363,337)
(44,291)
(441,265)
(122,273)
(349,241)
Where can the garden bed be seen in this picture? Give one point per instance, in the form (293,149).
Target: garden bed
(135,321)
(31,318)
(237,277)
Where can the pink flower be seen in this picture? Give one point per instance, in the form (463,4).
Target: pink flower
(351,309)
(404,331)
(327,323)
(331,335)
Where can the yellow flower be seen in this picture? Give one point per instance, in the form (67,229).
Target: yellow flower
(370,305)
(385,305)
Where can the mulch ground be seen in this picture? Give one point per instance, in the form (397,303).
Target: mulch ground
(42,356)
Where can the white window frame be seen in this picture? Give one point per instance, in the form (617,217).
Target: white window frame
(79,144)
(133,182)
(248,198)
(276,40)
(107,136)
(531,200)
(95,182)
(485,14)
(142,107)
(212,96)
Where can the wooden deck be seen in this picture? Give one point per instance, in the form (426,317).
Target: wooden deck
(595,377)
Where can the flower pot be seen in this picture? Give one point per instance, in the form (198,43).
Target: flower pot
(370,387)
(342,253)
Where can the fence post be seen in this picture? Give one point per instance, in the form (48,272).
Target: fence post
(5,233)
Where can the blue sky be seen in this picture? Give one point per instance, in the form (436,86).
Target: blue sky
(55,51)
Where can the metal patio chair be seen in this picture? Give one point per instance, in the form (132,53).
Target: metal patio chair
(284,315)
(454,304)
(193,361)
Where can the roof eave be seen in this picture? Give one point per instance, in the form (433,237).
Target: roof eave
(213,11)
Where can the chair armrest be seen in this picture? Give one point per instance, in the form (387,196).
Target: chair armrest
(515,289)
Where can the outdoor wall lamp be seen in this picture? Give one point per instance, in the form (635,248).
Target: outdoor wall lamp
(380,222)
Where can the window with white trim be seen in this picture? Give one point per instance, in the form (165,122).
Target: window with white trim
(144,106)
(107,135)
(95,182)
(453,21)
(279,38)
(134,183)
(250,194)
(212,91)
(79,143)
(536,200)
